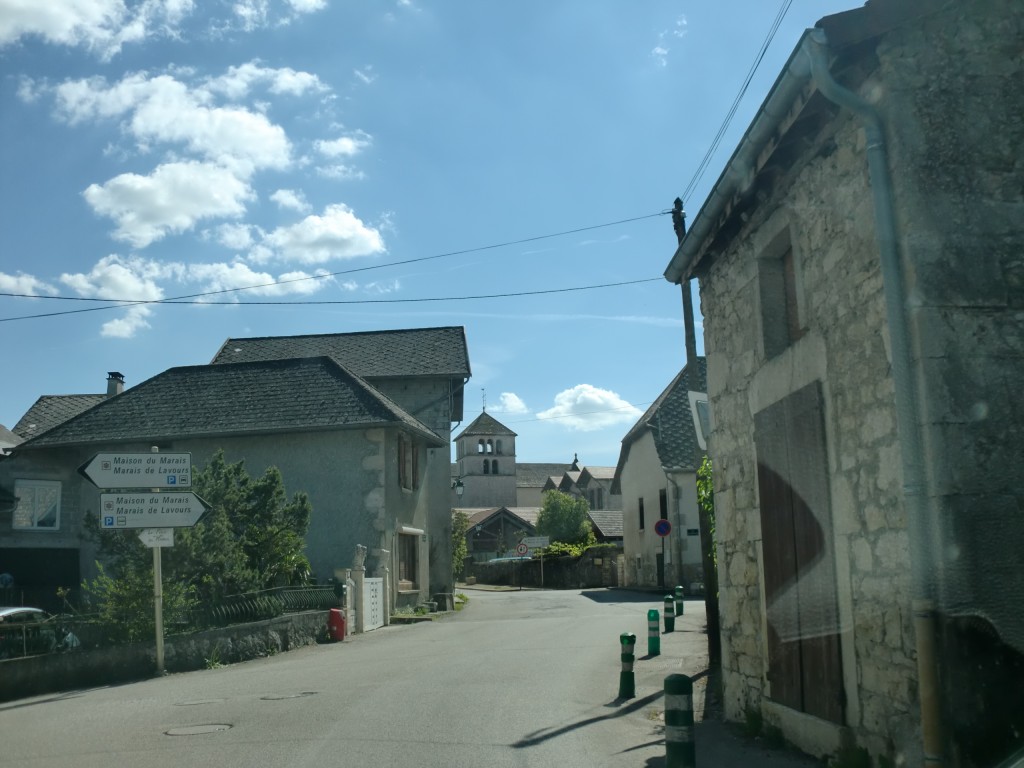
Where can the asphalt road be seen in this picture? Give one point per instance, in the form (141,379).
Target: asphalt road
(516,679)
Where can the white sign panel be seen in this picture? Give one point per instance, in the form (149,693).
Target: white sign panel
(536,542)
(157,537)
(139,470)
(150,510)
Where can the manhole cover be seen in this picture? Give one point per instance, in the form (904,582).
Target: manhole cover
(195,730)
(280,696)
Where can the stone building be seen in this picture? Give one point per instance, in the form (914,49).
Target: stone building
(861,270)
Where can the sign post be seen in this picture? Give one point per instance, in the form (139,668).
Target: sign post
(538,542)
(663,528)
(157,512)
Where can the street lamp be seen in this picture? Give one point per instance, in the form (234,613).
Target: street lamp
(459,488)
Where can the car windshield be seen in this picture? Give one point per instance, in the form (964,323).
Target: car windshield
(519,383)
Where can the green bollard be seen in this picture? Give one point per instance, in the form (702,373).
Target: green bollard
(680,751)
(670,615)
(653,637)
(679,601)
(627,683)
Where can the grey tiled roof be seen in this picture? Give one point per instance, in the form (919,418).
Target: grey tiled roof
(50,410)
(372,354)
(608,522)
(485,424)
(535,475)
(671,423)
(595,473)
(243,398)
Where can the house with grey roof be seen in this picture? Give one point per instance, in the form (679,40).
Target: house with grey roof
(371,452)
(656,479)
(50,410)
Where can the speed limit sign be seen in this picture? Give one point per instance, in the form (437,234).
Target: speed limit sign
(521,549)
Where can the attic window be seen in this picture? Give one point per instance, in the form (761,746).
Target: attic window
(38,505)
(778,284)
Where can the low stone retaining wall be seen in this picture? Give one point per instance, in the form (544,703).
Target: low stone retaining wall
(56,672)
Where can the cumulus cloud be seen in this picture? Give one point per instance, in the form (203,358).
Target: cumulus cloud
(231,277)
(25,285)
(237,237)
(510,402)
(661,51)
(344,146)
(336,234)
(127,279)
(307,6)
(102,26)
(289,199)
(238,81)
(587,408)
(166,110)
(170,200)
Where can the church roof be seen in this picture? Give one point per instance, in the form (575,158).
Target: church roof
(485,425)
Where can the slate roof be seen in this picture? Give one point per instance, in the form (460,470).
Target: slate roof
(670,421)
(479,515)
(7,439)
(608,522)
(485,425)
(238,399)
(597,473)
(535,475)
(50,410)
(371,354)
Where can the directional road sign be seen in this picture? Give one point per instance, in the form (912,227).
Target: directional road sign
(157,537)
(536,542)
(139,470)
(663,527)
(150,510)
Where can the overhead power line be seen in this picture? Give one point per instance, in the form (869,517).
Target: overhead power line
(117,303)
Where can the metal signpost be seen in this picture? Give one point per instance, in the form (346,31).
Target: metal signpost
(663,528)
(157,513)
(538,542)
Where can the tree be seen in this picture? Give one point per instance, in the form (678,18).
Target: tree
(564,518)
(252,538)
(460,550)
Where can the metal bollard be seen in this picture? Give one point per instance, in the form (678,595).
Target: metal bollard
(680,751)
(670,615)
(679,601)
(627,683)
(653,636)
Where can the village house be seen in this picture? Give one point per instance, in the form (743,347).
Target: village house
(862,286)
(366,439)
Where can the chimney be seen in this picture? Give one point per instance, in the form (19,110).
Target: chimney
(115,383)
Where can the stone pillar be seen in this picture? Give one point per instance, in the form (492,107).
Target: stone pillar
(384,573)
(358,574)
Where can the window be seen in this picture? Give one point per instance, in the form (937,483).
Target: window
(494,466)
(408,546)
(480,445)
(640,509)
(663,504)
(38,505)
(487,467)
(497,447)
(780,305)
(490,447)
(408,463)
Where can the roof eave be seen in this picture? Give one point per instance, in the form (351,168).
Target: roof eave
(780,104)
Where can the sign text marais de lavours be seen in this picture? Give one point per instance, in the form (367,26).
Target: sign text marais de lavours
(139,470)
(150,510)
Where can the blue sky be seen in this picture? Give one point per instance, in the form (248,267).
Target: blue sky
(166,148)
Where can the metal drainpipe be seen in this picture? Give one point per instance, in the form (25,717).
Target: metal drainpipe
(923,564)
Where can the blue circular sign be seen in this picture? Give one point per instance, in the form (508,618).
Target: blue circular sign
(663,527)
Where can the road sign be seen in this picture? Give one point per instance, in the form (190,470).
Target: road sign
(663,527)
(139,470)
(157,537)
(536,542)
(150,510)
(521,548)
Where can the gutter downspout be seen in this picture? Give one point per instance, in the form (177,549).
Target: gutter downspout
(923,564)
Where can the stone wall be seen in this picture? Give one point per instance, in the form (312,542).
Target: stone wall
(55,672)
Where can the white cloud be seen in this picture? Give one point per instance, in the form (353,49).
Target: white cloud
(307,6)
(170,200)
(238,81)
(378,288)
(661,51)
(126,279)
(365,74)
(510,402)
(344,146)
(237,237)
(164,109)
(230,277)
(289,199)
(24,284)
(340,172)
(102,26)
(337,234)
(587,408)
(251,14)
